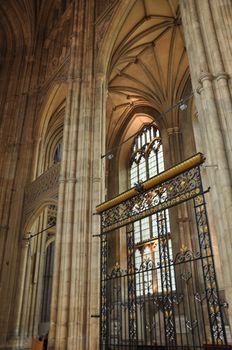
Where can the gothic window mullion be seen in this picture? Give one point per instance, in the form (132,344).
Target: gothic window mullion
(147,166)
(137,174)
(154,276)
(141,231)
(157,161)
(148,159)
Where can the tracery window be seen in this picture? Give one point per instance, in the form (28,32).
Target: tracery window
(47,283)
(58,153)
(147,161)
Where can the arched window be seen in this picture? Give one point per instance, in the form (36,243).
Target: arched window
(47,283)
(58,153)
(147,155)
(147,161)
(48,270)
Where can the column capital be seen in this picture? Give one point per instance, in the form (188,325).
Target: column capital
(68,179)
(100,76)
(222,76)
(73,78)
(205,76)
(173,130)
(170,131)
(26,239)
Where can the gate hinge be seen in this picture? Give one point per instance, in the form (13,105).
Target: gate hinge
(208,189)
(224,304)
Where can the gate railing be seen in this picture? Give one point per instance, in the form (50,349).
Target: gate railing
(163,293)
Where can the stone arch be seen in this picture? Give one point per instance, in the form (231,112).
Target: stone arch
(120,146)
(53,136)
(145,65)
(36,213)
(16,25)
(52,111)
(52,101)
(43,191)
(106,46)
(38,233)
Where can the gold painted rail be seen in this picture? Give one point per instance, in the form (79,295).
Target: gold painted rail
(189,163)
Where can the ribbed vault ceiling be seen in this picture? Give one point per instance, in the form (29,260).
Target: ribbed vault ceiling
(21,20)
(149,66)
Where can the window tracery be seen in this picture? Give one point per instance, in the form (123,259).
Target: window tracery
(146,161)
(58,153)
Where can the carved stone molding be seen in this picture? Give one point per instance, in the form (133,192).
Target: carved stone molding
(174,130)
(45,187)
(222,76)
(208,77)
(205,76)
(103,7)
(103,22)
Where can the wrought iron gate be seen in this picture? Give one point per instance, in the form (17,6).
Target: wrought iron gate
(162,292)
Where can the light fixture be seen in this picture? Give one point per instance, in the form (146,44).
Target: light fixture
(139,186)
(183,106)
(110,156)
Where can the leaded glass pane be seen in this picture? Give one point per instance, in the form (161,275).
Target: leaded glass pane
(147,161)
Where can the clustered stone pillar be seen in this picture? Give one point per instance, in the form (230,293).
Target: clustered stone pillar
(98,191)
(209,52)
(17,103)
(70,309)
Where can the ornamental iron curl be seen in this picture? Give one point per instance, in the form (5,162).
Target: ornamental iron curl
(162,297)
(172,192)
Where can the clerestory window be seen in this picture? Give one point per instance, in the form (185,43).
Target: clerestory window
(58,153)
(147,161)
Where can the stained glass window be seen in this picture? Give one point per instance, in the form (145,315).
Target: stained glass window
(147,161)
(58,153)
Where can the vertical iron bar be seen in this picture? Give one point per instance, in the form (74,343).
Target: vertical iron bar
(169,276)
(132,317)
(169,320)
(103,301)
(161,280)
(112,314)
(141,302)
(145,293)
(194,300)
(217,327)
(143,296)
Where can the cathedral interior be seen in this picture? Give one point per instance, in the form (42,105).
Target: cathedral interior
(115,180)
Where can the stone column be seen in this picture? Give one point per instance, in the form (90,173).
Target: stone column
(203,23)
(21,277)
(71,281)
(98,191)
(180,216)
(174,138)
(16,152)
(217,36)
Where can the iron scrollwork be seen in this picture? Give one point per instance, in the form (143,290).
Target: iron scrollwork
(104,255)
(140,304)
(209,273)
(131,286)
(172,192)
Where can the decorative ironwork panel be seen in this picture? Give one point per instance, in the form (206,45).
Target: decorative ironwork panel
(160,291)
(167,288)
(42,188)
(209,273)
(103,302)
(131,286)
(170,193)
